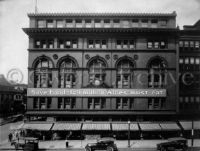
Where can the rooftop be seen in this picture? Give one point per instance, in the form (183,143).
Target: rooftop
(122,14)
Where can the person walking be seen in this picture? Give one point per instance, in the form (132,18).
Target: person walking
(10,137)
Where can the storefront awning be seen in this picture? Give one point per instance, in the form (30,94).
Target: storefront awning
(67,126)
(96,126)
(169,126)
(150,126)
(187,125)
(37,126)
(124,127)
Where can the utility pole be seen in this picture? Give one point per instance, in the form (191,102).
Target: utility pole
(129,134)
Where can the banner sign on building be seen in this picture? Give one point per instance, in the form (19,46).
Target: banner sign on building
(60,92)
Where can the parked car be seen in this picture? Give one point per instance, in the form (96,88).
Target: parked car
(102,144)
(173,144)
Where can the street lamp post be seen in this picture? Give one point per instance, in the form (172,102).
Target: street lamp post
(129,133)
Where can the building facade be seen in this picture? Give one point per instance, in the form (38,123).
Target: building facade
(189,46)
(93,68)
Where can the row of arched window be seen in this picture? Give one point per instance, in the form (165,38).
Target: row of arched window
(96,68)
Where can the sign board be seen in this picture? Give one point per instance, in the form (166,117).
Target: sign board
(64,92)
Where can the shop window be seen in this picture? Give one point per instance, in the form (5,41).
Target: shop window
(157,71)
(50,24)
(88,23)
(145,23)
(116,23)
(97,72)
(124,103)
(43,73)
(97,23)
(124,71)
(42,103)
(36,103)
(69,23)
(60,24)
(67,71)
(107,23)
(135,23)
(41,24)
(156,103)
(154,23)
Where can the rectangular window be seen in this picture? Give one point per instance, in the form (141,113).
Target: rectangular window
(119,44)
(186,44)
(88,23)
(60,103)
(97,44)
(90,44)
(37,44)
(163,23)
(156,103)
(43,43)
(104,44)
(50,44)
(118,103)
(163,45)
(59,23)
(156,45)
(61,44)
(125,103)
(50,24)
(125,44)
(79,24)
(97,23)
(145,23)
(135,23)
(154,23)
(192,45)
(131,44)
(191,60)
(150,45)
(74,44)
(35,103)
(150,104)
(106,23)
(41,24)
(197,45)
(68,44)
(116,23)
(69,23)
(67,103)
(48,103)
(90,103)
(125,23)
(42,103)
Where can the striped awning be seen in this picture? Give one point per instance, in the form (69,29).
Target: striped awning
(169,126)
(67,126)
(187,125)
(124,127)
(96,126)
(37,126)
(150,126)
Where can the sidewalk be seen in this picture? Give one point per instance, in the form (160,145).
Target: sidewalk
(78,144)
(9,119)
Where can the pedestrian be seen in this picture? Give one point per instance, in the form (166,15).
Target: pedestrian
(10,137)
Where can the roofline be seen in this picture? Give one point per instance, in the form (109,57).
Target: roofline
(105,14)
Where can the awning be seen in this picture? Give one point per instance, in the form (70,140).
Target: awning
(169,126)
(67,126)
(150,126)
(187,125)
(96,126)
(124,127)
(16,127)
(37,126)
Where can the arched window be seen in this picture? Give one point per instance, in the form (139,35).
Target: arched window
(97,71)
(124,70)
(67,73)
(157,73)
(43,73)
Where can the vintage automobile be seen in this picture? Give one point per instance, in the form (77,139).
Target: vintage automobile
(173,144)
(26,143)
(102,144)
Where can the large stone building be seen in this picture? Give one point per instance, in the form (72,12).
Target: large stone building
(103,72)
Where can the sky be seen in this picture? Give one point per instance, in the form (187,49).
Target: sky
(13,17)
